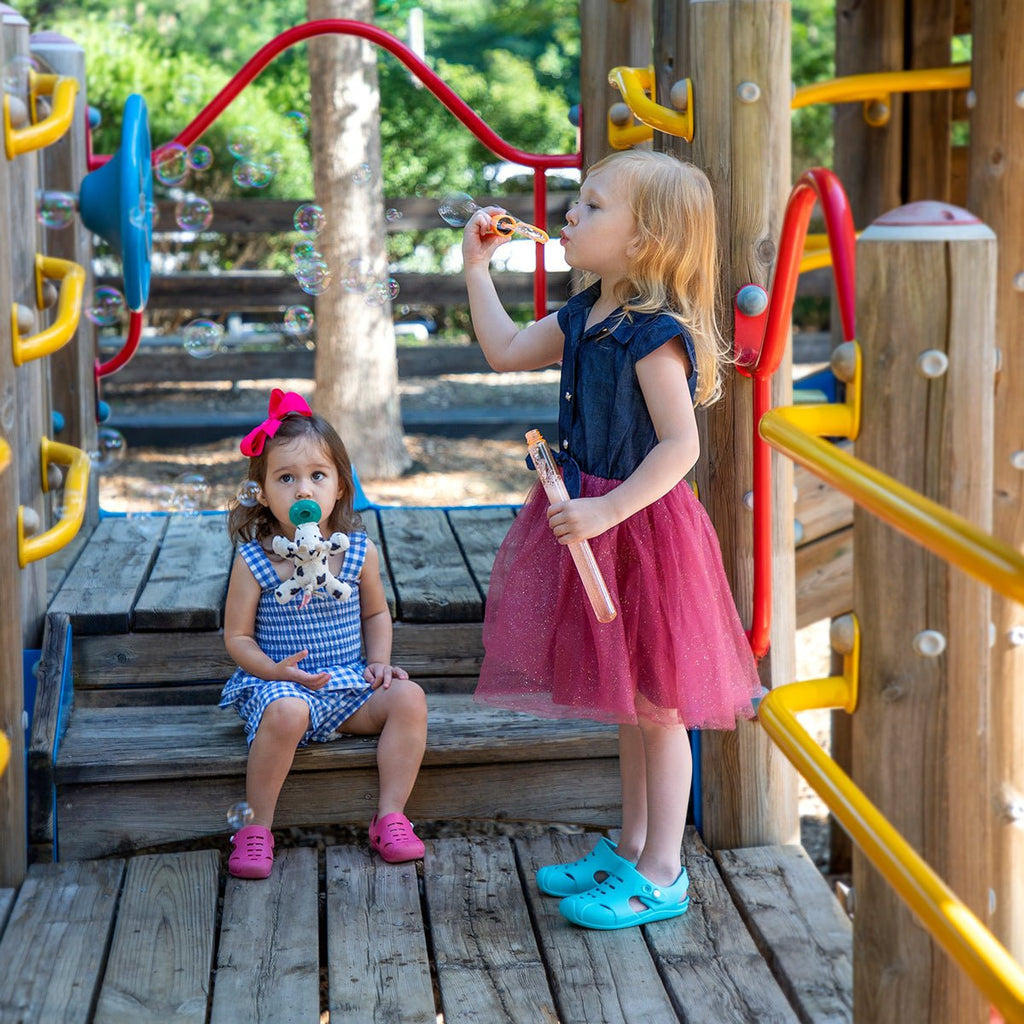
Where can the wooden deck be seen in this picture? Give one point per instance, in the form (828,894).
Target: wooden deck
(463,937)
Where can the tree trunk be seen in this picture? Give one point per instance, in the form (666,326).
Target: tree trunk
(356,368)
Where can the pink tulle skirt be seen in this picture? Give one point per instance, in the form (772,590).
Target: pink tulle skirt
(676,654)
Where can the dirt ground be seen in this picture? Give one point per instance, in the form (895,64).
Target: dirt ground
(445,471)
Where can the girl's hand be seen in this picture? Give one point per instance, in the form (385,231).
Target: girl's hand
(580,519)
(478,240)
(380,674)
(289,673)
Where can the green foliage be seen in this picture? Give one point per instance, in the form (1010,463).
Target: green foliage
(813,58)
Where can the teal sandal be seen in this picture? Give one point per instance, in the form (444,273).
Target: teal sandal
(606,905)
(577,877)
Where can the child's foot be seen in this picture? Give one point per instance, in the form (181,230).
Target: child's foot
(582,874)
(613,902)
(253,854)
(394,839)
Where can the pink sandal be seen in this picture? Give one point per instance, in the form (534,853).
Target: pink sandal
(393,838)
(253,854)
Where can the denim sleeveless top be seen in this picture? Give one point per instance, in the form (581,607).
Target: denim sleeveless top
(604,428)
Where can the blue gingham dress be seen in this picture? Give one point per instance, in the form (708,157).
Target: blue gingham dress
(329,629)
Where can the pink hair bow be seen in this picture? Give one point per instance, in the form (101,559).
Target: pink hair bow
(281,403)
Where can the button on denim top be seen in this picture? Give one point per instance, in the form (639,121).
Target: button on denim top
(604,428)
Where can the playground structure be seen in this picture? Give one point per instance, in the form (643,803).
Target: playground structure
(934,743)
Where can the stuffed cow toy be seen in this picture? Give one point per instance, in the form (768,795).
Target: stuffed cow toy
(310,552)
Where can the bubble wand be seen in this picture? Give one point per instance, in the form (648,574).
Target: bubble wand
(457,208)
(586,564)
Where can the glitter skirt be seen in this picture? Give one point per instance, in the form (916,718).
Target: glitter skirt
(676,653)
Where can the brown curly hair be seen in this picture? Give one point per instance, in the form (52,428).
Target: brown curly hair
(257,522)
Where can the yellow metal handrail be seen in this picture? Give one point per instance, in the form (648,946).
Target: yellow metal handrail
(878,87)
(950,922)
(797,433)
(943,532)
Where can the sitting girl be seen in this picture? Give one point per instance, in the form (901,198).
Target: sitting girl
(295,455)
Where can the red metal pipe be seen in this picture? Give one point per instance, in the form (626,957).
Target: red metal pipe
(539,162)
(131,343)
(540,218)
(821,185)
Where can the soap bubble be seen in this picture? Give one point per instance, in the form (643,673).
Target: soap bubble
(358,277)
(190,89)
(392,215)
(298,320)
(248,494)
(143,214)
(362,174)
(309,219)
(314,277)
(55,209)
(16,74)
(456,209)
(172,164)
(303,251)
(251,174)
(240,815)
(299,121)
(189,493)
(200,157)
(243,141)
(381,292)
(193,213)
(107,306)
(202,338)
(109,450)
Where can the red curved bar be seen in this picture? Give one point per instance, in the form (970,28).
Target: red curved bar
(821,185)
(451,99)
(131,344)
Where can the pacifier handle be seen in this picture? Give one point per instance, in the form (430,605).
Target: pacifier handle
(304,511)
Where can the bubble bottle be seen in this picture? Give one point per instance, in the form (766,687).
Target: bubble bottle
(457,208)
(586,564)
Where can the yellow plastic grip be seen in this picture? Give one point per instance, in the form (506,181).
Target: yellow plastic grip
(51,128)
(632,83)
(31,549)
(5,752)
(5,454)
(69,308)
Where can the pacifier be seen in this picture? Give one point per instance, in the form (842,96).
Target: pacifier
(304,511)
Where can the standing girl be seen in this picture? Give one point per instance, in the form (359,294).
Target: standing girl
(638,347)
(302,674)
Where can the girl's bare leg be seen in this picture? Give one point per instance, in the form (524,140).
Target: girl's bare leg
(633,776)
(282,727)
(399,716)
(669,768)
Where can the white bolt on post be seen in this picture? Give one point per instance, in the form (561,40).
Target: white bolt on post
(1015,635)
(929,643)
(748,92)
(932,363)
(748,501)
(1017,460)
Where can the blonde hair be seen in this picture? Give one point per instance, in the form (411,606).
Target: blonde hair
(675,268)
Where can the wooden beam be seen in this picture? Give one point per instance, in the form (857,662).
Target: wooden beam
(996,194)
(749,789)
(918,289)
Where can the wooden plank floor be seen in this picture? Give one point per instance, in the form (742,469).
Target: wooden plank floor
(337,935)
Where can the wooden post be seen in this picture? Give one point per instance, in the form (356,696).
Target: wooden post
(996,194)
(13,848)
(739,63)
(63,166)
(612,33)
(925,289)
(32,379)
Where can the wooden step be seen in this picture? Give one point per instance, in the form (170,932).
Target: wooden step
(134,777)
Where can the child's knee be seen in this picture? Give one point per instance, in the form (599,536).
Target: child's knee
(409,696)
(288,716)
